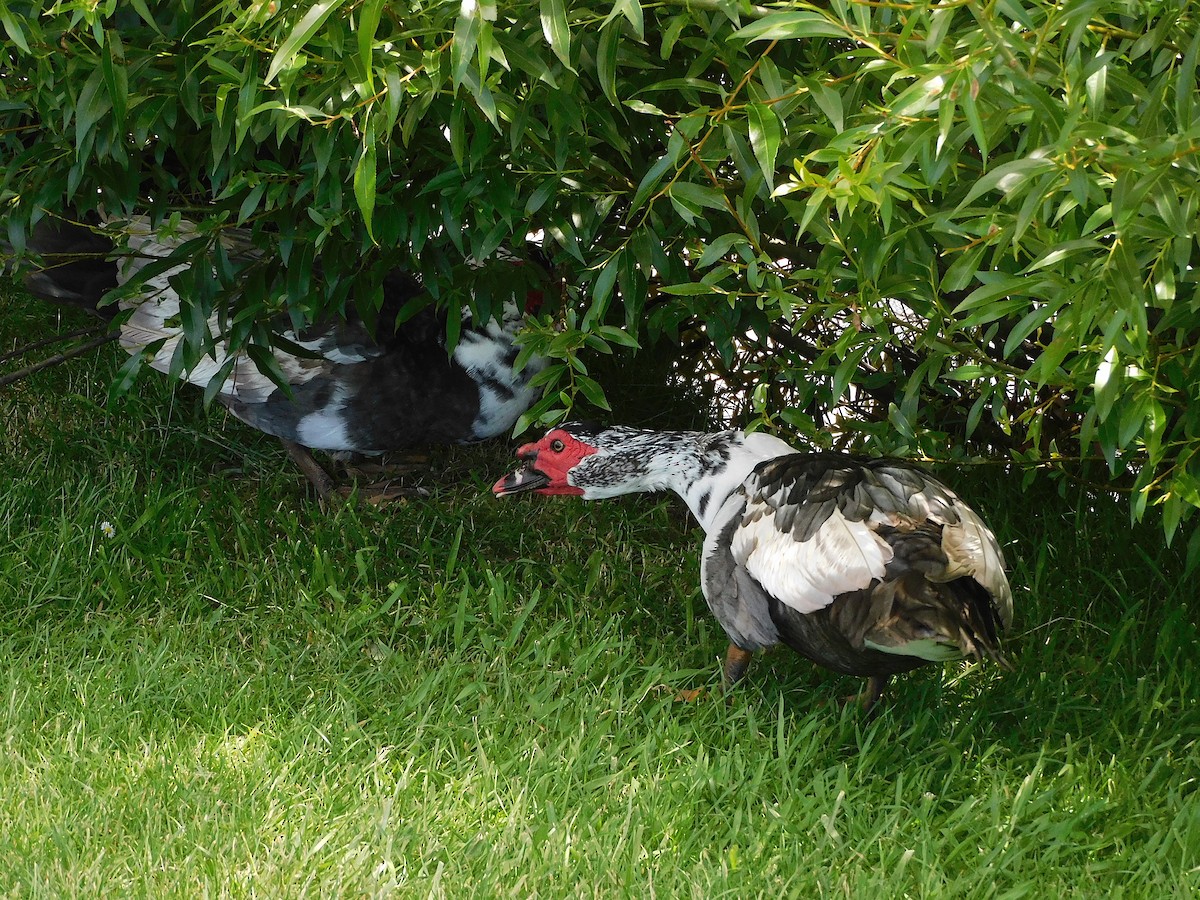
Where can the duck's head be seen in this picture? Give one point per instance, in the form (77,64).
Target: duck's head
(583,460)
(550,463)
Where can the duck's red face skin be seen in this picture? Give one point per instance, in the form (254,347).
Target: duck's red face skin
(547,464)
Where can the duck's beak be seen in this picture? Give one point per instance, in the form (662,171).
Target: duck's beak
(526,478)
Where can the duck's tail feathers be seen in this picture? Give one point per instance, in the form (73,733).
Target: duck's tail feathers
(982,621)
(912,616)
(69,264)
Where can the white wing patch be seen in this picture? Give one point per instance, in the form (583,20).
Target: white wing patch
(325,428)
(841,556)
(504,394)
(157,310)
(151,322)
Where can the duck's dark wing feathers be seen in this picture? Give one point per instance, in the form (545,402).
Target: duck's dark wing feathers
(738,601)
(868,566)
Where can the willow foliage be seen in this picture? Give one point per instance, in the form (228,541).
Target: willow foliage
(954,227)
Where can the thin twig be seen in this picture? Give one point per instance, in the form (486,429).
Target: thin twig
(56,359)
(58,339)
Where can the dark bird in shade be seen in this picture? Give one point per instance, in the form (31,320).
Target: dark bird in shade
(350,389)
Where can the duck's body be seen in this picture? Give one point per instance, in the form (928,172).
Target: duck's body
(348,389)
(866,566)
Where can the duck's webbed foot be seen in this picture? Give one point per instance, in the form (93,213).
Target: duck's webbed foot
(380,492)
(869,697)
(388,476)
(377,492)
(737,661)
(393,465)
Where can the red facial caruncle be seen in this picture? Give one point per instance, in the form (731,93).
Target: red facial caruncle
(547,464)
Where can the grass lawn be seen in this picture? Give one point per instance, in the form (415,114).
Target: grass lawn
(239,695)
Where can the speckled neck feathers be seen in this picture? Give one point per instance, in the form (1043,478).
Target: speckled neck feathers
(703,469)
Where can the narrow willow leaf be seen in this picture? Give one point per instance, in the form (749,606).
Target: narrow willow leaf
(619,336)
(1009,177)
(364,183)
(94,104)
(632,10)
(717,248)
(788,25)
(115,77)
(687,289)
(12,28)
(555,29)
(213,388)
(250,204)
(765,135)
(649,182)
(698,194)
(1001,286)
(592,390)
(606,61)
(1185,86)
(368,23)
(1033,320)
(304,30)
(828,101)
(971,111)
(1063,251)
(143,10)
(603,285)
(462,52)
(128,373)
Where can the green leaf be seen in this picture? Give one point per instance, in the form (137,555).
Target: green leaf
(688,289)
(778,26)
(94,105)
(829,102)
(971,111)
(250,204)
(462,52)
(213,388)
(1030,322)
(12,27)
(606,61)
(115,77)
(698,194)
(969,372)
(1009,177)
(554,27)
(632,11)
(592,390)
(650,181)
(718,247)
(300,35)
(1065,250)
(368,23)
(619,336)
(127,375)
(765,135)
(364,184)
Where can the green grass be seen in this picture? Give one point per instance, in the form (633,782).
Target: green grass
(239,695)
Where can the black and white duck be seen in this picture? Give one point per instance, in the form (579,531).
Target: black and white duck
(351,390)
(868,567)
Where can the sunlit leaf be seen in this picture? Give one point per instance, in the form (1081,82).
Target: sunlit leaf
(300,35)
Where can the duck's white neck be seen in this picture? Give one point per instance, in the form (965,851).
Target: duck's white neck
(703,469)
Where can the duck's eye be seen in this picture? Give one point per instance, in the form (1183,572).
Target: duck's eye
(557,446)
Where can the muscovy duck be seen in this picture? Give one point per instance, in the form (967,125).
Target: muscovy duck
(864,566)
(351,391)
